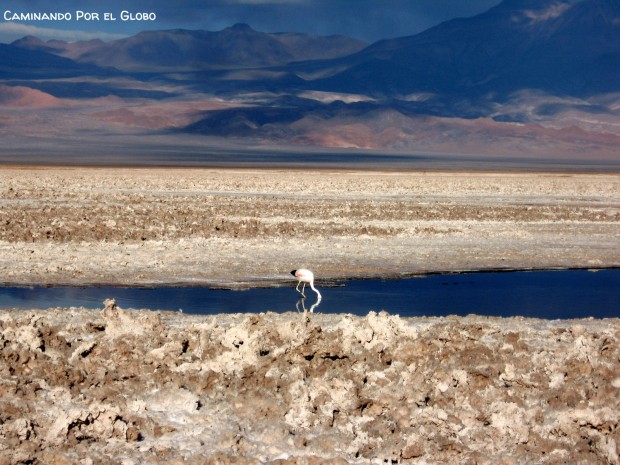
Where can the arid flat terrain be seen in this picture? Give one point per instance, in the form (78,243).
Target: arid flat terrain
(123,386)
(233,228)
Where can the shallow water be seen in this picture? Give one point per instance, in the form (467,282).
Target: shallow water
(540,294)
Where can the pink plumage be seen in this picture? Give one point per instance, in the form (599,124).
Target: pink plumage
(305,276)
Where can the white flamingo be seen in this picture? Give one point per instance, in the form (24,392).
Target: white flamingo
(305,276)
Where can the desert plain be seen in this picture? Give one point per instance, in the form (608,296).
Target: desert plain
(141,386)
(235,228)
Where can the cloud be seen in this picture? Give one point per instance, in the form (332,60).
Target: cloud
(10,31)
(552,12)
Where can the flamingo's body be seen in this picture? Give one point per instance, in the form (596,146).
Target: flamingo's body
(305,276)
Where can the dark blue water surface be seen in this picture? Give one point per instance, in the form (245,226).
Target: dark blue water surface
(541,294)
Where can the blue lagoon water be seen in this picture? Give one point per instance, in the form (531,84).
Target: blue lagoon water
(539,294)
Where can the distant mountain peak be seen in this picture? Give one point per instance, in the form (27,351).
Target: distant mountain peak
(241,27)
(238,46)
(27,41)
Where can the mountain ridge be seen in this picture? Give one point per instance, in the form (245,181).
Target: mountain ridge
(557,46)
(238,46)
(509,47)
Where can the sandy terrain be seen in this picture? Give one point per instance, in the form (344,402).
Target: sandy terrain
(114,386)
(237,227)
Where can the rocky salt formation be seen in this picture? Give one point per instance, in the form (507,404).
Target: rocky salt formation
(140,387)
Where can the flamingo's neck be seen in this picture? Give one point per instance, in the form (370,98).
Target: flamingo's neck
(314,289)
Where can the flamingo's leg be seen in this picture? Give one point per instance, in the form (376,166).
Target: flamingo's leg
(302,289)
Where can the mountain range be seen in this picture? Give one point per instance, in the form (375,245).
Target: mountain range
(557,46)
(511,80)
(235,47)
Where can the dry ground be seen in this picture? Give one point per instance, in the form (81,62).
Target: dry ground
(115,386)
(238,227)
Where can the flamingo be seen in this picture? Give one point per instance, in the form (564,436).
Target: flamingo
(305,276)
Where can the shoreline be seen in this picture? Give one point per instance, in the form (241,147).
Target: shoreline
(266,283)
(568,169)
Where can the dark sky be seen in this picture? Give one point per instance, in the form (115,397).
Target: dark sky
(369,20)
